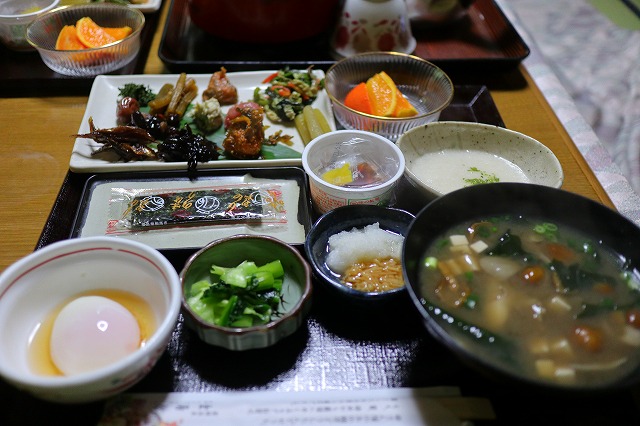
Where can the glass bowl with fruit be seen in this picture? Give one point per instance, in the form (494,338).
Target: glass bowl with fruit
(88,39)
(387,93)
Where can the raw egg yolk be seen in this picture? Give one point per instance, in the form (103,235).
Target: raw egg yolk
(91,332)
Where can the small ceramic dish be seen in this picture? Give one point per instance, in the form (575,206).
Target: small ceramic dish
(448,155)
(261,249)
(347,218)
(35,288)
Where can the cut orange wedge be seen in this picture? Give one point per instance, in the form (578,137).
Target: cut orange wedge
(119,32)
(68,39)
(404,107)
(358,99)
(383,94)
(92,34)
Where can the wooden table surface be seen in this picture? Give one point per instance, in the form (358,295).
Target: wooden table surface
(36,144)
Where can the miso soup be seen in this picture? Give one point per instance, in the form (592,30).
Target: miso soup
(536,298)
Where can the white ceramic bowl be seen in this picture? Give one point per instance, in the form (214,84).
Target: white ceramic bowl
(16,15)
(33,287)
(351,147)
(261,249)
(444,156)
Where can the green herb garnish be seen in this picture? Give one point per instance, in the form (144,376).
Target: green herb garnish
(484,177)
(143,94)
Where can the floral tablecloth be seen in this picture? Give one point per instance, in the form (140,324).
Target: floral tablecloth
(588,68)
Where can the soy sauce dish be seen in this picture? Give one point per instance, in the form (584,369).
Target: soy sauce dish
(529,284)
(363,241)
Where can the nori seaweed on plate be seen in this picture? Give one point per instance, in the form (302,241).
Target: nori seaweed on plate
(198,207)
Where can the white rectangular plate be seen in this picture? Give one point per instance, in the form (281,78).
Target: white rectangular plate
(97,216)
(102,104)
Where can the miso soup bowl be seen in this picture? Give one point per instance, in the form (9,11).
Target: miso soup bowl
(35,286)
(563,208)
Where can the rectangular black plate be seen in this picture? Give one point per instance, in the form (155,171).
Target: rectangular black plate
(178,255)
(483,39)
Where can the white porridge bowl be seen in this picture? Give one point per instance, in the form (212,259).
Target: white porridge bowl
(37,289)
(445,156)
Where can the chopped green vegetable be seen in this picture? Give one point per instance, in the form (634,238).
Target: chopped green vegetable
(547,229)
(287,93)
(484,177)
(503,348)
(431,262)
(574,276)
(471,301)
(143,94)
(509,245)
(240,296)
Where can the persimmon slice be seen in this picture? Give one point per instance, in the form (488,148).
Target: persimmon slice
(92,34)
(68,39)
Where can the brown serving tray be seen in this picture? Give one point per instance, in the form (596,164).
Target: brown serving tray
(483,39)
(340,346)
(24,72)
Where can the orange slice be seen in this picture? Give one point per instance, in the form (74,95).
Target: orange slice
(358,99)
(383,95)
(92,34)
(404,107)
(68,39)
(119,32)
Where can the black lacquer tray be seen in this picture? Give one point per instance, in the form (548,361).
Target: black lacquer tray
(341,346)
(483,40)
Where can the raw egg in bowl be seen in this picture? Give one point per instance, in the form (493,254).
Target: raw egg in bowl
(84,319)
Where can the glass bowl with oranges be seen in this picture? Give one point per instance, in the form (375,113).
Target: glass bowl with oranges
(88,39)
(387,93)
